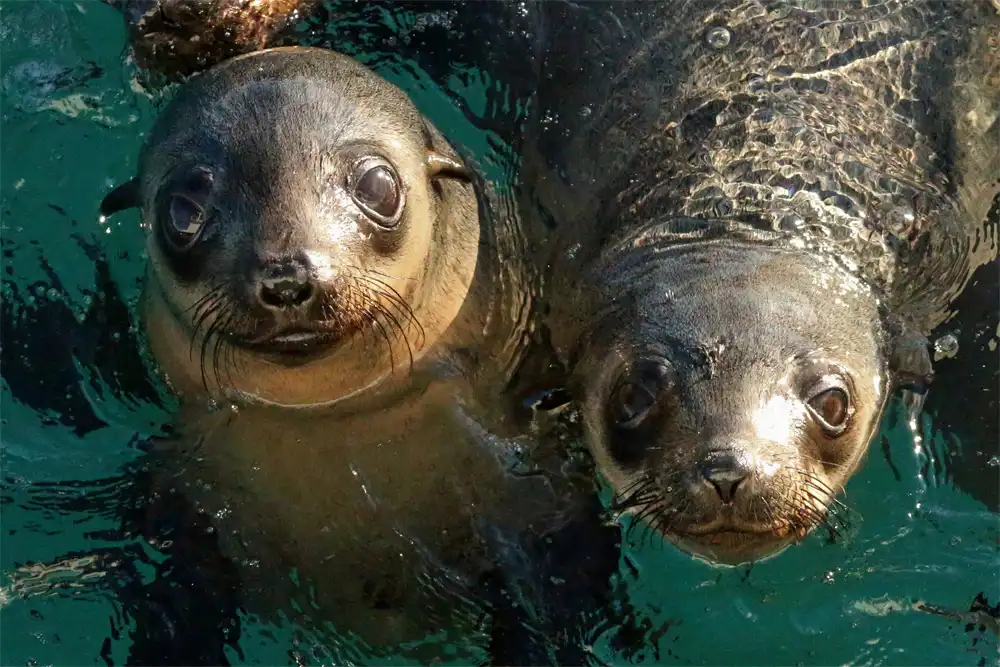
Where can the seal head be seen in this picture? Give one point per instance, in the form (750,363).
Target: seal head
(730,390)
(311,233)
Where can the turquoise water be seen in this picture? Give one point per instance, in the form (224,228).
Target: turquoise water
(72,125)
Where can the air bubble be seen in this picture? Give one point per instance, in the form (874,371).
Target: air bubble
(718,37)
(994,462)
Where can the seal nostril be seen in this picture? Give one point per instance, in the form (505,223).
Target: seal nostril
(725,488)
(285,286)
(725,474)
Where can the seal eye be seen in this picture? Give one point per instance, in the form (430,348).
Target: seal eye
(377,192)
(186,221)
(830,404)
(630,403)
(636,395)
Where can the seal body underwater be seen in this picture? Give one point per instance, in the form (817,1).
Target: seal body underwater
(755,212)
(317,260)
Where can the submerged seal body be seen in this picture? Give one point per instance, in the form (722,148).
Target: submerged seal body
(767,205)
(317,260)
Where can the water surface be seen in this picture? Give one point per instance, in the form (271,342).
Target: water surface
(76,401)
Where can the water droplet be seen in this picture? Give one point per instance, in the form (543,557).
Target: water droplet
(718,37)
(234,408)
(945,347)
(791,222)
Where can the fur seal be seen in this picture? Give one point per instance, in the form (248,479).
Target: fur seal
(317,258)
(766,208)
(296,255)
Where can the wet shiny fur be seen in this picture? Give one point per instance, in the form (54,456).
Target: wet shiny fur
(289,291)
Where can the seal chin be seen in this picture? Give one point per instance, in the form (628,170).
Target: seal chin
(732,547)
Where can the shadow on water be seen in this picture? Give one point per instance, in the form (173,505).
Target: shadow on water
(78,402)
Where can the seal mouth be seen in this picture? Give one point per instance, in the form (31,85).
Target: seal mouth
(722,530)
(293,342)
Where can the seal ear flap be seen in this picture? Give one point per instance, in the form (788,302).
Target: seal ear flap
(910,364)
(909,357)
(125,196)
(440,159)
(442,165)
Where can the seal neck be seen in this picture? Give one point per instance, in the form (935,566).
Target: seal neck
(487,342)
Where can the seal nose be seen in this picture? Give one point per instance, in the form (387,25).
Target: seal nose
(285,285)
(725,472)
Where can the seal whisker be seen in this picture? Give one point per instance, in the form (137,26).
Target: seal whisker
(833,516)
(388,342)
(231,357)
(398,303)
(206,340)
(394,297)
(218,360)
(807,457)
(672,514)
(639,519)
(393,323)
(386,275)
(637,493)
(205,310)
(804,506)
(371,330)
(211,291)
(212,308)
(812,479)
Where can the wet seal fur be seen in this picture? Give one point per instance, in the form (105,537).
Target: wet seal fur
(767,208)
(317,259)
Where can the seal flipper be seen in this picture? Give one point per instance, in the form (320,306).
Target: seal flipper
(123,197)
(567,577)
